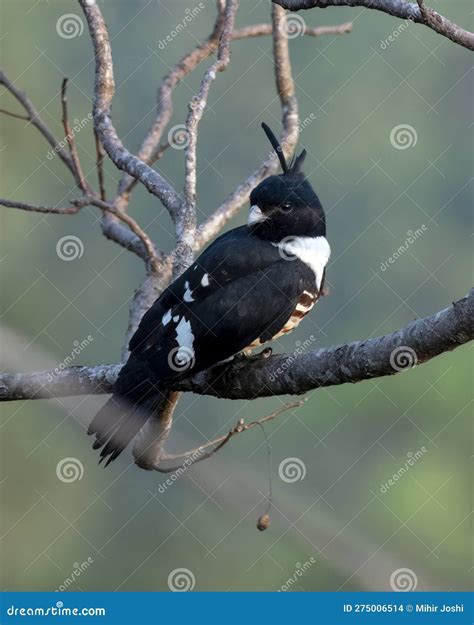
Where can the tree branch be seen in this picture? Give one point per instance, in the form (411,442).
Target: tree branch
(104,88)
(69,136)
(293,374)
(286,93)
(34,118)
(259,30)
(151,255)
(418,13)
(186,218)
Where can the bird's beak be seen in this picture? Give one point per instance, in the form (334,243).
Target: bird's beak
(255,215)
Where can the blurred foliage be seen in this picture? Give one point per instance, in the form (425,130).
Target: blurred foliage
(352,439)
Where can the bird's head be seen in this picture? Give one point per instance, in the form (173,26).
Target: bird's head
(286,205)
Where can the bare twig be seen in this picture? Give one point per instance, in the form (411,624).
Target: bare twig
(183,68)
(286,92)
(100,154)
(34,118)
(68,210)
(69,136)
(416,343)
(186,218)
(418,13)
(151,255)
(259,30)
(15,115)
(198,454)
(104,88)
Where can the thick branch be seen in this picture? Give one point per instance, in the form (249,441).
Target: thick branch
(416,343)
(405,10)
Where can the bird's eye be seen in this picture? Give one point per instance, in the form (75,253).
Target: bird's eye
(286,207)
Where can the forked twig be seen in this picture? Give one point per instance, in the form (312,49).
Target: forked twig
(220,441)
(69,136)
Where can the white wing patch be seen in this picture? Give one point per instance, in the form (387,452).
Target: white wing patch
(185,339)
(166,318)
(313,251)
(205,280)
(188,295)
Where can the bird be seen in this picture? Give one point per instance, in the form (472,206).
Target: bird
(251,285)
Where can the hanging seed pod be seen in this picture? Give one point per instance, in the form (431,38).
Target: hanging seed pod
(263,522)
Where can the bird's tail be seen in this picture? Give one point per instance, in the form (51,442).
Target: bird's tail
(134,401)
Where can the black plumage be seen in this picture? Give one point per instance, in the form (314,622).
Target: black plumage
(250,285)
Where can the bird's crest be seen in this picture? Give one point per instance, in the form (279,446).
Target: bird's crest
(296,162)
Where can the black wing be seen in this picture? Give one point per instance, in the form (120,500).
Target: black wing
(232,255)
(239,290)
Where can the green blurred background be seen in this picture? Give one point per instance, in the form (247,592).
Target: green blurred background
(355,89)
